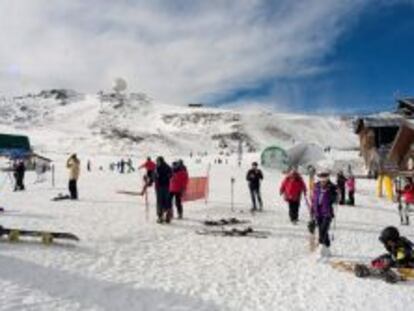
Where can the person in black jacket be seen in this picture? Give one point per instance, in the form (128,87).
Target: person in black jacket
(340,183)
(254,177)
(162,177)
(19,170)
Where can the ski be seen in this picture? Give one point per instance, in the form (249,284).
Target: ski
(61,197)
(14,234)
(235,232)
(312,236)
(225,222)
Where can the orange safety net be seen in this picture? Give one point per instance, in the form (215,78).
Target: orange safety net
(197,188)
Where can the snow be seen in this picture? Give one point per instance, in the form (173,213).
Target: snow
(90,124)
(124,262)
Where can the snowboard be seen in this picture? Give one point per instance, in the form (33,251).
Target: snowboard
(362,270)
(225,222)
(235,232)
(14,235)
(61,197)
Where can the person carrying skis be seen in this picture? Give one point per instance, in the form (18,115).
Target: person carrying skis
(292,189)
(406,200)
(399,254)
(340,182)
(322,212)
(350,188)
(73,164)
(150,166)
(178,185)
(254,177)
(162,177)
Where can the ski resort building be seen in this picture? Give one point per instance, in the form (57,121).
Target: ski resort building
(402,150)
(379,134)
(376,135)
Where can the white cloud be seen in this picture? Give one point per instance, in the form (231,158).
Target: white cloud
(176,51)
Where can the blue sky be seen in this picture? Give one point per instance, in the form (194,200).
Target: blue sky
(296,55)
(370,64)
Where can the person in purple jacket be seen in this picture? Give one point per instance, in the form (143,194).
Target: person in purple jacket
(325,195)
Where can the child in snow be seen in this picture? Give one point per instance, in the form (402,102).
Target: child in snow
(323,198)
(350,188)
(400,250)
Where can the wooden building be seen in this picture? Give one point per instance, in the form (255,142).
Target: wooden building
(376,135)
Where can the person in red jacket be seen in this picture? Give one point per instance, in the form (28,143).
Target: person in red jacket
(407,195)
(178,185)
(150,166)
(292,189)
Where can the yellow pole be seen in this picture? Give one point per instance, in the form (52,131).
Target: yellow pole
(379,186)
(388,184)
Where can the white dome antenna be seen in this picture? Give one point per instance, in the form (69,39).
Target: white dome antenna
(119,85)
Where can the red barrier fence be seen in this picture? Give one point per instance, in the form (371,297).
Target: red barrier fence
(197,189)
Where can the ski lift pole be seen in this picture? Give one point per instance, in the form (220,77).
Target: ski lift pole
(232,181)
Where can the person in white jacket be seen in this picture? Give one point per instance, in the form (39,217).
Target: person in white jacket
(73,164)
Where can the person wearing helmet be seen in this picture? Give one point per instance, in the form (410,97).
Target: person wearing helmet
(324,196)
(400,250)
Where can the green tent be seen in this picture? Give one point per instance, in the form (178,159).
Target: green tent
(275,157)
(14,146)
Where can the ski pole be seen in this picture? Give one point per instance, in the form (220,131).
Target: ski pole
(334,222)
(232,180)
(146,207)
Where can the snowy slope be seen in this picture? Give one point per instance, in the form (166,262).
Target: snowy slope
(124,262)
(100,124)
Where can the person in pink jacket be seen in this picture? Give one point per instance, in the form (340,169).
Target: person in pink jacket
(350,188)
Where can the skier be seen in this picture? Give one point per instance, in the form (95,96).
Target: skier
(292,189)
(178,185)
(254,177)
(407,194)
(400,250)
(323,198)
(150,166)
(162,177)
(350,188)
(73,164)
(89,165)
